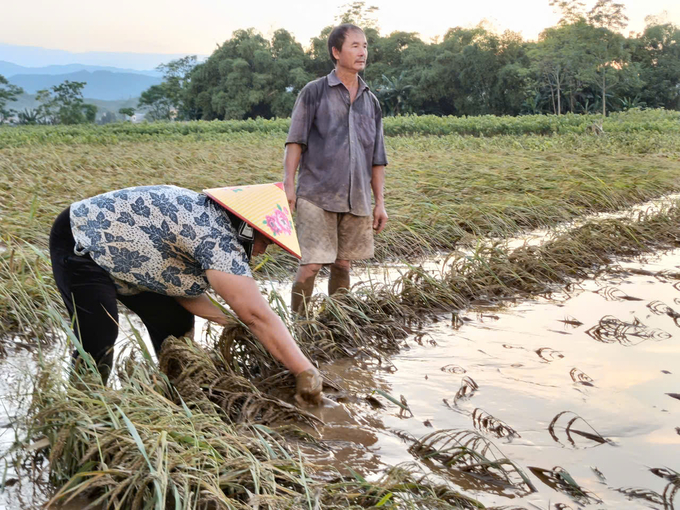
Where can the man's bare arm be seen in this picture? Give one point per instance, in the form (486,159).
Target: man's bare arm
(378,185)
(291,161)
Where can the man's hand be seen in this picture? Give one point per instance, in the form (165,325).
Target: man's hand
(308,388)
(292,198)
(379,218)
(291,161)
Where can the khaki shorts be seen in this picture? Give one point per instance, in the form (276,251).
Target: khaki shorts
(326,236)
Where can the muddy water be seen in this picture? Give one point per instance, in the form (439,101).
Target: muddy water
(595,352)
(531,362)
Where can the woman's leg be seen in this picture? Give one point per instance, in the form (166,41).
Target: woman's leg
(162,315)
(88,293)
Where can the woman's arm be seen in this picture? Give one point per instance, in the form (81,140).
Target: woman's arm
(203,307)
(243,296)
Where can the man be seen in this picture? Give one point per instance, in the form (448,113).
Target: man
(158,249)
(336,139)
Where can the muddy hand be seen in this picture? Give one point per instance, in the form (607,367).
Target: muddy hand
(308,388)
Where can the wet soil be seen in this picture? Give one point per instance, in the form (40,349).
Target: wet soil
(608,351)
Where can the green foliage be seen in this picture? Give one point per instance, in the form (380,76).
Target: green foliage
(393,94)
(8,93)
(249,77)
(63,104)
(156,103)
(656,52)
(581,65)
(128,112)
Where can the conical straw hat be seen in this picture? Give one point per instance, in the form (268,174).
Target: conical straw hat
(264,207)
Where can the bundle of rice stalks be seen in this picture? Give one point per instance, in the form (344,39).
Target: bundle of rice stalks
(142,446)
(203,379)
(468,452)
(133,447)
(369,321)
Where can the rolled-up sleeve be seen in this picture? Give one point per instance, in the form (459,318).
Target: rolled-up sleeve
(379,154)
(302,117)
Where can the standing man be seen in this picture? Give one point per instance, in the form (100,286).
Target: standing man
(336,139)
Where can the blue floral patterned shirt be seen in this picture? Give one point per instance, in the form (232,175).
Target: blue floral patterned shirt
(157,238)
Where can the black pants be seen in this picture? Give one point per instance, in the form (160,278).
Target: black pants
(89,294)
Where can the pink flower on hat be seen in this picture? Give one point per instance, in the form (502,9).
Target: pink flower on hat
(278,221)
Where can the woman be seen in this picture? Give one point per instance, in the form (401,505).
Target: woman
(157,249)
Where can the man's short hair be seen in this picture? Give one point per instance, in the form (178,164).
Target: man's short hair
(337,38)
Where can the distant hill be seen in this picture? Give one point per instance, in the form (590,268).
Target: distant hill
(9,69)
(104,85)
(28,101)
(34,56)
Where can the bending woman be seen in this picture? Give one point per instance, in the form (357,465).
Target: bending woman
(157,249)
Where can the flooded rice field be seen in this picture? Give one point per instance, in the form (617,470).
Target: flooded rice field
(582,387)
(607,356)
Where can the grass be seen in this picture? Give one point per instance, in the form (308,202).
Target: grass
(481,126)
(440,189)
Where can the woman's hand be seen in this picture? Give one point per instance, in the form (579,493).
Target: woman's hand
(243,296)
(308,388)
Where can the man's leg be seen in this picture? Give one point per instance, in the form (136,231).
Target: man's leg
(339,276)
(303,286)
(162,315)
(318,238)
(355,242)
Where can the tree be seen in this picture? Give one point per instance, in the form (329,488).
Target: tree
(657,53)
(393,94)
(63,104)
(606,46)
(358,14)
(29,117)
(249,76)
(572,11)
(608,14)
(176,81)
(107,118)
(8,93)
(127,112)
(157,103)
(559,60)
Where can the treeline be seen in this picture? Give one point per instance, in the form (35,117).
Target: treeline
(582,65)
(60,104)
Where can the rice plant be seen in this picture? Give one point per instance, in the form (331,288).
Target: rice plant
(570,431)
(559,479)
(468,452)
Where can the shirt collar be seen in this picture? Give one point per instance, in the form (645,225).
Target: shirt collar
(334,81)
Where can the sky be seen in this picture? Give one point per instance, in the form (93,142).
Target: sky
(181,27)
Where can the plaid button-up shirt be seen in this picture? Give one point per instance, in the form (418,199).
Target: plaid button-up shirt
(341,143)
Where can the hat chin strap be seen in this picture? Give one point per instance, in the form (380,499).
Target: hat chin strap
(246,236)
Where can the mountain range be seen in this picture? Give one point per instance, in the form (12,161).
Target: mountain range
(8,69)
(110,76)
(33,56)
(105,85)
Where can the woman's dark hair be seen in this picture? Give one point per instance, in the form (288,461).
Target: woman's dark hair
(337,38)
